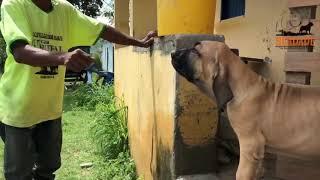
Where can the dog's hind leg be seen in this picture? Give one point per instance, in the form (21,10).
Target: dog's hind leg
(251,158)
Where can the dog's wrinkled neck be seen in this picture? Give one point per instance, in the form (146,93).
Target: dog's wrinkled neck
(220,86)
(222,92)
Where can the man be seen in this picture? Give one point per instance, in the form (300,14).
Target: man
(38,34)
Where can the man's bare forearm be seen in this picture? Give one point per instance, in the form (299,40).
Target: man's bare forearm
(32,56)
(76,60)
(113,35)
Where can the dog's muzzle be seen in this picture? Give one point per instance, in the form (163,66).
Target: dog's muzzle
(179,58)
(180,63)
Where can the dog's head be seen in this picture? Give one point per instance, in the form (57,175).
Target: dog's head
(205,66)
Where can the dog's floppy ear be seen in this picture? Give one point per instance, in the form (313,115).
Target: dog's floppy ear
(220,85)
(216,66)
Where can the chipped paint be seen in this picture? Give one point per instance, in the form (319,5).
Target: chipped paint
(198,118)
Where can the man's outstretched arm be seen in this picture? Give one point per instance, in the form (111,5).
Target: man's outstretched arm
(113,35)
(76,60)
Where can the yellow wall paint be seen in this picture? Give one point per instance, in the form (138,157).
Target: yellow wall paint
(155,94)
(121,8)
(255,32)
(185,16)
(143,17)
(147,85)
(122,15)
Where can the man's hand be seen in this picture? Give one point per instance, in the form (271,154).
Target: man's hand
(76,60)
(149,39)
(113,35)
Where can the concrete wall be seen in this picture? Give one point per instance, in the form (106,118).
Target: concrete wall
(146,82)
(172,125)
(136,17)
(196,126)
(121,8)
(254,34)
(185,16)
(143,15)
(122,15)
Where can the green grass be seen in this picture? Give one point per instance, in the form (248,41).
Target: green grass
(109,130)
(77,147)
(82,123)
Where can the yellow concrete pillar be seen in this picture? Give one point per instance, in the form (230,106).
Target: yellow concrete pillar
(186,16)
(122,16)
(143,17)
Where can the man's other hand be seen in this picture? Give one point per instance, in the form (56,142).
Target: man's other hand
(76,60)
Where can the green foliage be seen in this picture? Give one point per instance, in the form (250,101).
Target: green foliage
(88,7)
(95,8)
(122,168)
(87,97)
(109,130)
(108,9)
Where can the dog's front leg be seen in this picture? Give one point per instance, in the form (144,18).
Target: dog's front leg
(251,158)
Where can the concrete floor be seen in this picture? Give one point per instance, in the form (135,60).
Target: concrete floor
(286,169)
(292,169)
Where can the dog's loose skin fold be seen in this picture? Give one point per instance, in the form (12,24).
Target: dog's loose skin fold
(283,118)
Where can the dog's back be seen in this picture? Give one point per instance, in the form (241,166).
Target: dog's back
(294,125)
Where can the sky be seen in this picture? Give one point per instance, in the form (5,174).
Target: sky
(104,8)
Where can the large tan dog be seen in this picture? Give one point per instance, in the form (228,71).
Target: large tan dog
(263,114)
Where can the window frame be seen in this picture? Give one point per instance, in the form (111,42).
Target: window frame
(233,17)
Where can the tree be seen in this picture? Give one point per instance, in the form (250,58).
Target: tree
(88,7)
(95,8)
(108,9)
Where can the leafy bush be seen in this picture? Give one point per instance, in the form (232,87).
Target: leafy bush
(109,130)
(87,97)
(122,168)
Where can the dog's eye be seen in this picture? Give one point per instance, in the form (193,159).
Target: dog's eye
(196,44)
(195,51)
(195,79)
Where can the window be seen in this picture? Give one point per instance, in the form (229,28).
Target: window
(232,8)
